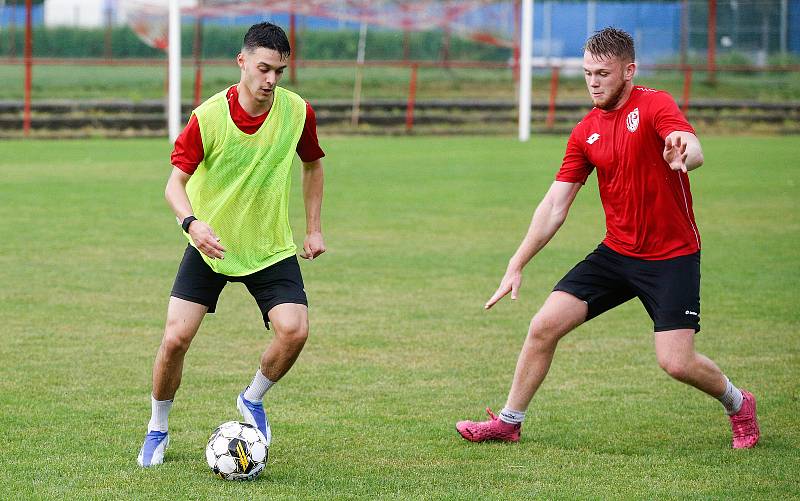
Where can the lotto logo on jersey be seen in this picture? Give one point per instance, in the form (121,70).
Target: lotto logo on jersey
(633,120)
(594,137)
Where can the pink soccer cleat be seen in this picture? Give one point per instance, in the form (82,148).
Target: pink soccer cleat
(493,429)
(745,424)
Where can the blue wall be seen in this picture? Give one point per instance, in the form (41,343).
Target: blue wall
(654,26)
(794,27)
(17,14)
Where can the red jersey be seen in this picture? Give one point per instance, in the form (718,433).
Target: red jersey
(188,151)
(648,205)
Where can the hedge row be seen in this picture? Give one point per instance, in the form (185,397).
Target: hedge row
(223,41)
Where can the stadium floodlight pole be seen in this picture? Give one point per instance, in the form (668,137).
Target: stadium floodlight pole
(174,92)
(526,50)
(784,26)
(28,56)
(362,45)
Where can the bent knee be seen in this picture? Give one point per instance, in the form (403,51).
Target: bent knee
(545,328)
(675,367)
(175,342)
(294,331)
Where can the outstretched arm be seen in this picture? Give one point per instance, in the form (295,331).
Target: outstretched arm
(202,235)
(313,245)
(682,151)
(547,219)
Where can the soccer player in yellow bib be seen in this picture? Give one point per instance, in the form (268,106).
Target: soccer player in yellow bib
(229,189)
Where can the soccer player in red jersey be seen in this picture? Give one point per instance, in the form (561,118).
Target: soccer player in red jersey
(642,148)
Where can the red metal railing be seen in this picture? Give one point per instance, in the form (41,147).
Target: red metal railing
(413,65)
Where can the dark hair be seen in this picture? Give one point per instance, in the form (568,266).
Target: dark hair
(268,36)
(611,42)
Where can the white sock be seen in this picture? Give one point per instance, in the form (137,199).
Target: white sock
(255,392)
(159,414)
(511,416)
(731,399)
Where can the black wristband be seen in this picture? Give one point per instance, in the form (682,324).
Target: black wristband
(186,222)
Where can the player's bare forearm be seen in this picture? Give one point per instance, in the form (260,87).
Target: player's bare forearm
(547,219)
(313,178)
(175,193)
(202,235)
(313,244)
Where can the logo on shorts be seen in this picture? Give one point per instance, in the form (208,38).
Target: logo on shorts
(633,120)
(594,137)
(689,312)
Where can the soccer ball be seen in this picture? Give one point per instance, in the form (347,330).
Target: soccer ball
(237,451)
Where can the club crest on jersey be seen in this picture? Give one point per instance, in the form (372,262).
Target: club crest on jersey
(633,120)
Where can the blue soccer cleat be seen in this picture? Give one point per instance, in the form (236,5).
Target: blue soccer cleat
(253,413)
(152,453)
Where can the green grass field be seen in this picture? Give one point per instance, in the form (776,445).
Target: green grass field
(419,231)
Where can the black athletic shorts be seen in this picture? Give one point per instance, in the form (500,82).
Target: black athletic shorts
(669,289)
(274,285)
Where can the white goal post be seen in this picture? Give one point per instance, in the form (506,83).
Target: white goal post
(525,82)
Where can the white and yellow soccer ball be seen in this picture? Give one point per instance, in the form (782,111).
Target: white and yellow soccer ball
(237,451)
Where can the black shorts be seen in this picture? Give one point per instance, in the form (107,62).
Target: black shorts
(274,285)
(669,289)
